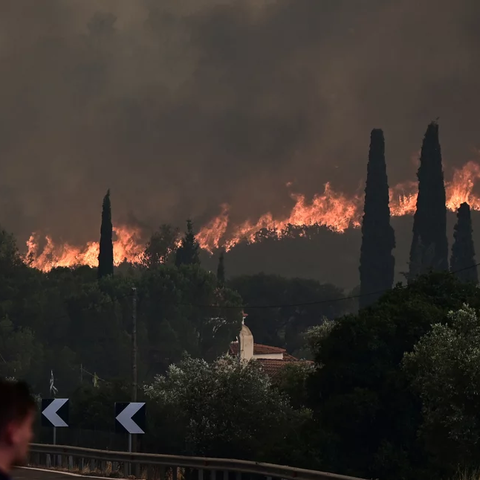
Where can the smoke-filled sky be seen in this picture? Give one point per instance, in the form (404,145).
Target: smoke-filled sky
(181,105)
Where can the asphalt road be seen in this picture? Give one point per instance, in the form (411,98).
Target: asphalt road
(27,474)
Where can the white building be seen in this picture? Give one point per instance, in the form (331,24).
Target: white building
(272,359)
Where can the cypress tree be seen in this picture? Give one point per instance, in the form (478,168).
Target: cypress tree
(463,251)
(377,263)
(221,271)
(188,252)
(430,220)
(105,255)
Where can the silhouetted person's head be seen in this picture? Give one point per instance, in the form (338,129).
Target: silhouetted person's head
(17,411)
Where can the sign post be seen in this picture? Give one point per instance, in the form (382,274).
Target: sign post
(55,414)
(130,418)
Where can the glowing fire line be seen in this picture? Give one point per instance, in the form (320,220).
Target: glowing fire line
(331,209)
(126,247)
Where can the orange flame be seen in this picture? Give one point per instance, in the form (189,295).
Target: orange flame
(460,189)
(403,199)
(212,233)
(337,211)
(332,209)
(126,247)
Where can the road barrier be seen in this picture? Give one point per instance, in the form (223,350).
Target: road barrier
(164,467)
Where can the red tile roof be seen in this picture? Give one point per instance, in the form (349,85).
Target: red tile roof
(258,349)
(271,366)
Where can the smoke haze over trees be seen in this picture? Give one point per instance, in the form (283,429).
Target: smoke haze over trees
(98,93)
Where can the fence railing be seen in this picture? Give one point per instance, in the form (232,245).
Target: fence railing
(164,467)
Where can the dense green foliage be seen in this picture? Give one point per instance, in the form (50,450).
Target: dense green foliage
(377,264)
(226,408)
(429,250)
(221,408)
(445,369)
(105,255)
(368,414)
(67,318)
(463,262)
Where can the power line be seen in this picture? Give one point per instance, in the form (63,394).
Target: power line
(298,304)
(286,305)
(466,268)
(93,375)
(317,302)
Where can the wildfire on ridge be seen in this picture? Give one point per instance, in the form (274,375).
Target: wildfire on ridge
(334,210)
(126,247)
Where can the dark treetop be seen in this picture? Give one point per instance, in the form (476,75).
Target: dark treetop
(105,255)
(378,238)
(188,252)
(462,261)
(429,250)
(221,270)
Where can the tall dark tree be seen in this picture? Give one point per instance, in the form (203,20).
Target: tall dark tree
(463,251)
(221,270)
(377,263)
(105,255)
(188,252)
(429,250)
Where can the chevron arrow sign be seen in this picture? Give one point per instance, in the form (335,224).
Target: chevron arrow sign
(55,412)
(130,417)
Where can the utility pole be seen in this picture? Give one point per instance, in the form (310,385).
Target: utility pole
(134,345)
(133,438)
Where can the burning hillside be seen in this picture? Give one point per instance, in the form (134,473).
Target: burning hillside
(332,209)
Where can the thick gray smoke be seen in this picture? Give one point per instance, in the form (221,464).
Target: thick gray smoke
(181,105)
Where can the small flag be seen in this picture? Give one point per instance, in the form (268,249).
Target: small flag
(53,389)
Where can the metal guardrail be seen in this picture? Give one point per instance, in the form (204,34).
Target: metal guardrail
(165,467)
